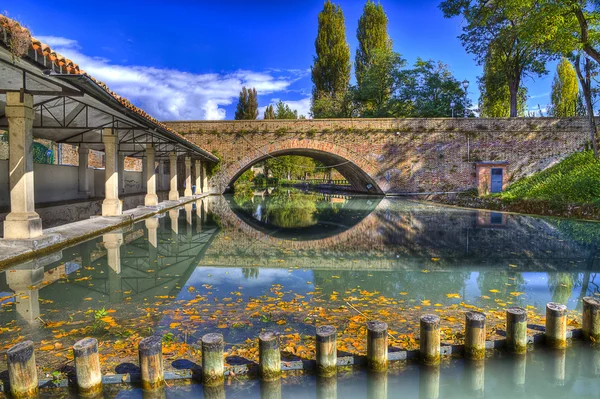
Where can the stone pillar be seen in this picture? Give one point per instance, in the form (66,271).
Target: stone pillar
(145,168)
(22,222)
(173,193)
(84,181)
(188,177)
(121,170)
(198,171)
(161,175)
(111,206)
(152,227)
(25,281)
(150,178)
(204,178)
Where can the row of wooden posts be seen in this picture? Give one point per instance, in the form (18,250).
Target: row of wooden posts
(24,380)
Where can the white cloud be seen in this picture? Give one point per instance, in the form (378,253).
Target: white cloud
(302,106)
(170,94)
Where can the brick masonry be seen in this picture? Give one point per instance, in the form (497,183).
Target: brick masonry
(397,155)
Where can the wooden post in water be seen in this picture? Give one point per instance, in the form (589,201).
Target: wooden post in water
(270,389)
(430,340)
(326,352)
(151,363)
(213,366)
(591,319)
(474,335)
(22,372)
(556,325)
(429,382)
(377,346)
(87,367)
(516,330)
(214,392)
(326,388)
(269,356)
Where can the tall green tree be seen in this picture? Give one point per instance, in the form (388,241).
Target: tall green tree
(585,70)
(427,90)
(269,112)
(247,107)
(331,64)
(379,81)
(283,111)
(494,100)
(565,90)
(372,37)
(498,27)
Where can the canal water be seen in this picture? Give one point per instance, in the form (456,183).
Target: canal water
(287,260)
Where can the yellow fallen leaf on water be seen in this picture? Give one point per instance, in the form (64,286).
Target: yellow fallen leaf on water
(87,299)
(424,271)
(511,265)
(173,325)
(485,297)
(494,291)
(435,259)
(47,347)
(516,293)
(453,295)
(404,293)
(281,322)
(222,325)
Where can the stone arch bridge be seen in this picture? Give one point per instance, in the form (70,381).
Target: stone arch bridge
(386,156)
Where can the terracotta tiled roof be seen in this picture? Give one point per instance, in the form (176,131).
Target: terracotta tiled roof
(9,26)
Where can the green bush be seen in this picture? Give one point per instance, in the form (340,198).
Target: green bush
(574,180)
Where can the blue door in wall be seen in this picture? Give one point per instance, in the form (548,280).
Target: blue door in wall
(496,180)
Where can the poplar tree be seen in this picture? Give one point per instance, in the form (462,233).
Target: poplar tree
(372,37)
(247,107)
(269,112)
(565,90)
(331,64)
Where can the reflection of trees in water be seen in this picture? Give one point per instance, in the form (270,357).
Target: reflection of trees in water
(250,272)
(433,286)
(562,284)
(504,282)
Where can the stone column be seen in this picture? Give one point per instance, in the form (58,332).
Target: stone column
(121,160)
(22,222)
(152,227)
(111,206)
(161,175)
(197,168)
(145,168)
(84,181)
(204,178)
(173,194)
(150,178)
(112,243)
(25,281)
(188,177)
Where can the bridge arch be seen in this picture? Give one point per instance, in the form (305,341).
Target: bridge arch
(360,173)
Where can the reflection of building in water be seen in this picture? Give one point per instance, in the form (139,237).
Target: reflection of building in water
(106,270)
(490,219)
(25,281)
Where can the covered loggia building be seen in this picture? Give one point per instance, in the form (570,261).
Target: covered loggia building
(43,95)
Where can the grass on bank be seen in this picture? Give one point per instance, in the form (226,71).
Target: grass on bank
(574,180)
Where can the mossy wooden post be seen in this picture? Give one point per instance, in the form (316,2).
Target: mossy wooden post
(558,366)
(87,367)
(430,340)
(516,330)
(591,319)
(429,382)
(151,363)
(556,325)
(270,389)
(327,387)
(474,335)
(377,346)
(326,352)
(269,364)
(213,366)
(22,372)
(377,385)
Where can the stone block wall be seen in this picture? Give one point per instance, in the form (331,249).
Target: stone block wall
(399,155)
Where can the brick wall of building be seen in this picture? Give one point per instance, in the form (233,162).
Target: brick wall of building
(400,155)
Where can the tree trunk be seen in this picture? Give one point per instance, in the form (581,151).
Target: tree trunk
(586,85)
(513,87)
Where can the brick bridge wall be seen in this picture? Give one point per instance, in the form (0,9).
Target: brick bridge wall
(398,155)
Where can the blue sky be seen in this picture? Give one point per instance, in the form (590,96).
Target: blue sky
(189,59)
